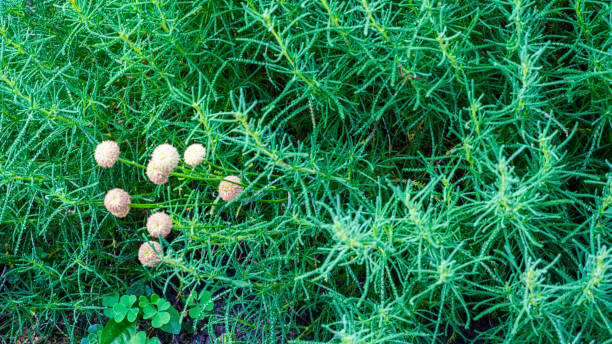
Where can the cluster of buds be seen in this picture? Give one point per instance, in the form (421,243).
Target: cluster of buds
(158,225)
(117,200)
(164,159)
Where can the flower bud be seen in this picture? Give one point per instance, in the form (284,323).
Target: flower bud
(155,174)
(106,153)
(159,224)
(194,154)
(149,252)
(165,157)
(228,190)
(117,202)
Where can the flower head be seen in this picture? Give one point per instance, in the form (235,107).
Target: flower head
(106,153)
(159,224)
(228,188)
(156,175)
(194,154)
(165,157)
(149,252)
(117,202)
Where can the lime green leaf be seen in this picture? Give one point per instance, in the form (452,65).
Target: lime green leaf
(174,325)
(154,298)
(110,300)
(132,314)
(143,301)
(209,307)
(160,319)
(128,300)
(149,312)
(117,332)
(109,312)
(205,296)
(120,312)
(162,305)
(195,313)
(139,338)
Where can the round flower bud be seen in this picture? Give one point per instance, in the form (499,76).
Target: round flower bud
(106,153)
(165,157)
(155,174)
(117,202)
(149,252)
(159,224)
(228,190)
(194,154)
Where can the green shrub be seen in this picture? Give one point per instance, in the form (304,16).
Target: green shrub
(415,171)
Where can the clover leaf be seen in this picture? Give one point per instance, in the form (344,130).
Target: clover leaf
(120,308)
(160,312)
(110,300)
(123,309)
(156,310)
(141,338)
(200,305)
(143,301)
(160,319)
(163,305)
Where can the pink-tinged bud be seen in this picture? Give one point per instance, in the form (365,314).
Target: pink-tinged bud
(165,157)
(156,175)
(117,202)
(228,188)
(149,252)
(159,224)
(194,154)
(106,153)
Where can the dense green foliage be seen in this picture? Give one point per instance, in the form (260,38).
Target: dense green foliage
(416,171)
